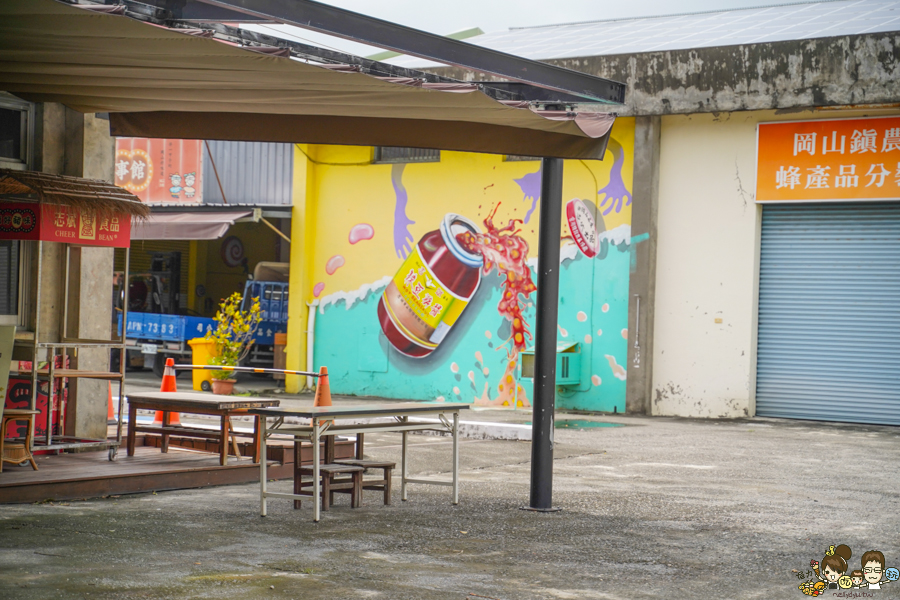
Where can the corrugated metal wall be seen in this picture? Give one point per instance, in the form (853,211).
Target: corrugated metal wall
(251,173)
(829,313)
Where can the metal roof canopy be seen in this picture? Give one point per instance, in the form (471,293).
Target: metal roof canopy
(364,29)
(159,83)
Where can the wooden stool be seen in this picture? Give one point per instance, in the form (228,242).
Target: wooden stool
(16,452)
(383,484)
(331,483)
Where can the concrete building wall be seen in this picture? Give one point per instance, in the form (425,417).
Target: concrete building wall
(707,261)
(829,71)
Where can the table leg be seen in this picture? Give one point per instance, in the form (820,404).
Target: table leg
(316,482)
(403,444)
(164,445)
(223,443)
(298,478)
(234,444)
(3,422)
(132,424)
(256,438)
(261,423)
(456,458)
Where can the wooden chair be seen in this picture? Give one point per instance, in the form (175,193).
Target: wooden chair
(387,468)
(16,452)
(330,473)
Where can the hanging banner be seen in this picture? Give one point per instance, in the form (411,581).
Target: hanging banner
(57,223)
(160,170)
(833,160)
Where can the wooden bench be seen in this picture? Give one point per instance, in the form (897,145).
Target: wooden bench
(194,403)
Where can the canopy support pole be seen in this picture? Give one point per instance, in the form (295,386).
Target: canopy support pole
(544,396)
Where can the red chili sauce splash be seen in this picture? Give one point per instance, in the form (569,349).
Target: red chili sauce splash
(503,248)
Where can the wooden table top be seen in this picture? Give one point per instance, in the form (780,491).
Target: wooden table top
(362,410)
(196,400)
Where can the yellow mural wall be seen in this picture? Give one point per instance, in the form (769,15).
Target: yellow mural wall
(337,188)
(469,184)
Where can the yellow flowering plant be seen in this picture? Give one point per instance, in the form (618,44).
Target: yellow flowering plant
(234,333)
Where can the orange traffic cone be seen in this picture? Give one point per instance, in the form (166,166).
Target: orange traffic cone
(168,385)
(110,412)
(323,389)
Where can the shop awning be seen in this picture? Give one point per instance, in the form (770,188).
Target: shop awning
(160,82)
(186,225)
(75,192)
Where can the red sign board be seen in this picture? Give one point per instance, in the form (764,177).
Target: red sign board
(159,170)
(56,223)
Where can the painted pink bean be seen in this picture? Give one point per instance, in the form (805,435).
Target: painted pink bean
(360,232)
(317,289)
(334,263)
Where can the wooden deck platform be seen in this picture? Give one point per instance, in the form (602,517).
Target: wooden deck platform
(92,475)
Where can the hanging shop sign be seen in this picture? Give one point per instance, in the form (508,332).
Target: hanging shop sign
(57,223)
(830,160)
(160,170)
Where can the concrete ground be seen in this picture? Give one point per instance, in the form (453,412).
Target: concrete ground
(656,508)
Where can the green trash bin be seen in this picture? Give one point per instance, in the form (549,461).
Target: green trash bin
(202,350)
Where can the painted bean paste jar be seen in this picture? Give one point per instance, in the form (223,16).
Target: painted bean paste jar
(432,288)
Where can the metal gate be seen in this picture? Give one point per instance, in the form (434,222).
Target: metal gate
(829,313)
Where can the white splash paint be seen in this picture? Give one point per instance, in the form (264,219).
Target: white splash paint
(479,357)
(625,333)
(355,296)
(605,308)
(617,235)
(488,334)
(595,379)
(454,368)
(581,316)
(617,369)
(486,371)
(588,339)
(456,390)
(562,331)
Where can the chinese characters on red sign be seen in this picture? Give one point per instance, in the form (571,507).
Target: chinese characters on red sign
(55,223)
(158,170)
(846,159)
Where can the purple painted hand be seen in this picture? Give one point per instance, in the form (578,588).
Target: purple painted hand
(402,237)
(530,185)
(616,194)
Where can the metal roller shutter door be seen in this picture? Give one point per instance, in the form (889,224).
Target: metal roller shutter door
(829,313)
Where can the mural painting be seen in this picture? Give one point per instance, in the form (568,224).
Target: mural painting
(424,276)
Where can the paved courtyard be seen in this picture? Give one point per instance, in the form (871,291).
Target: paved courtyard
(654,508)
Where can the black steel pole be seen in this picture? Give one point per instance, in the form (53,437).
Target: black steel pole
(544,396)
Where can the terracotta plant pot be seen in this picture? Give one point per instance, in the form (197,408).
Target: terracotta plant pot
(223,387)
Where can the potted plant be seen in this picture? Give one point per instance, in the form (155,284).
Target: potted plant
(233,337)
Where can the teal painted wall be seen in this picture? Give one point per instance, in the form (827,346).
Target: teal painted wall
(470,363)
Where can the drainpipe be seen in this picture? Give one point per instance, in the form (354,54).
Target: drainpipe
(310,339)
